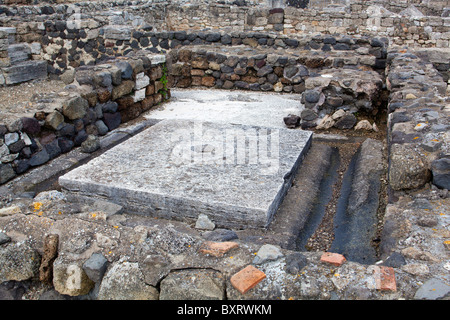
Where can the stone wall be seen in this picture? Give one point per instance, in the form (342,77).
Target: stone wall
(86,33)
(66,47)
(17,60)
(418,127)
(96,100)
(270,70)
(343,80)
(426,7)
(403,26)
(370,20)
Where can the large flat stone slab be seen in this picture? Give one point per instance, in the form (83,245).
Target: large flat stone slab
(25,71)
(235,106)
(236,174)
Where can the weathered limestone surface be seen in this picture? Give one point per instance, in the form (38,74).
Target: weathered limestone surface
(238,107)
(151,259)
(163,173)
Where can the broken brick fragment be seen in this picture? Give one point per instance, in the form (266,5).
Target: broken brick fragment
(335,259)
(385,278)
(217,249)
(247,279)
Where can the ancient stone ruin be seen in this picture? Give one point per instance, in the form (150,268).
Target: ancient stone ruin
(224,150)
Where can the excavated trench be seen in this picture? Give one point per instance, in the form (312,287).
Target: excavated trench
(330,224)
(305,240)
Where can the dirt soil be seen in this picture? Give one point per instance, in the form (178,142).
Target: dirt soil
(21,99)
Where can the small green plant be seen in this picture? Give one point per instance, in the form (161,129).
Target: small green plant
(164,90)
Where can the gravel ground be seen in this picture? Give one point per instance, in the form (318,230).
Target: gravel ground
(19,100)
(323,237)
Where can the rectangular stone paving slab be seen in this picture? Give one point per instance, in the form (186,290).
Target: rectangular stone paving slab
(235,174)
(238,107)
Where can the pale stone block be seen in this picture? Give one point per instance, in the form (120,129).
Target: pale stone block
(161,172)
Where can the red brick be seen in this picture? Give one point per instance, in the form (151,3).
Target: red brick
(247,279)
(335,259)
(217,249)
(385,278)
